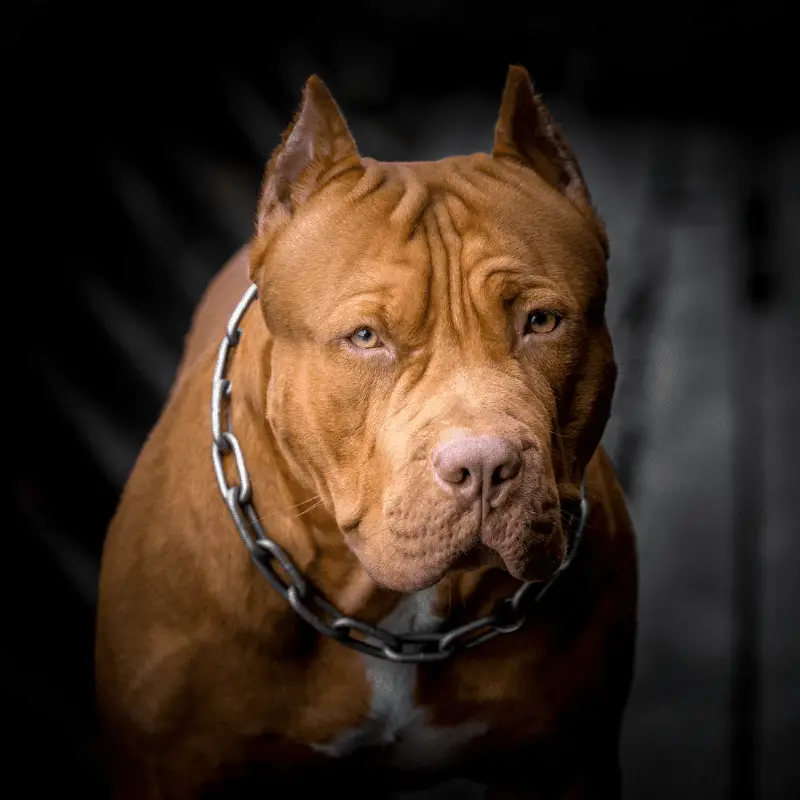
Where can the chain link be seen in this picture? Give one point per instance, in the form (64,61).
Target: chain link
(415,647)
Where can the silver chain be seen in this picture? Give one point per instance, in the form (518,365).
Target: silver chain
(309,604)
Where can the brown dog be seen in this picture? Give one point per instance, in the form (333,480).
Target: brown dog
(417,393)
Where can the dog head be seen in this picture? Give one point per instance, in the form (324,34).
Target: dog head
(441,370)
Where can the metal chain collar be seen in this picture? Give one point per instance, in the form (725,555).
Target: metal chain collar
(301,595)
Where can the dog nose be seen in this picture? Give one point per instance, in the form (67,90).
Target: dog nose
(473,467)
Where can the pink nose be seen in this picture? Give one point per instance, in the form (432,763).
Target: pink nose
(475,467)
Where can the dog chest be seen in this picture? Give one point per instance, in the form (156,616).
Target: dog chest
(395,723)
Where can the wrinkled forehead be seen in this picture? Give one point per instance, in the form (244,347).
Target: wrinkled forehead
(392,228)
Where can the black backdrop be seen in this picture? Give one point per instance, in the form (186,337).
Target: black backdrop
(137,139)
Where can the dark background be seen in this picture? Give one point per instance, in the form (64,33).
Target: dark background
(136,141)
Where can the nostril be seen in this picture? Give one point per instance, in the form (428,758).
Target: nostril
(452,473)
(506,470)
(500,475)
(458,476)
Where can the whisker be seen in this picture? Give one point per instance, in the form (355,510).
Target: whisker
(268,514)
(305,510)
(302,503)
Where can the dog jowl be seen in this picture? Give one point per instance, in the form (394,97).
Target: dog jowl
(440,367)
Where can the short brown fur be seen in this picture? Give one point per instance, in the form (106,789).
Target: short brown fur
(204,673)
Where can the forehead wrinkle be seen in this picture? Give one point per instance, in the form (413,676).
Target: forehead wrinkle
(401,186)
(452,245)
(507,188)
(474,242)
(438,263)
(508,271)
(478,247)
(583,224)
(459,184)
(414,200)
(373,178)
(476,178)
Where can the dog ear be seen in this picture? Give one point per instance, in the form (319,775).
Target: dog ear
(526,132)
(315,148)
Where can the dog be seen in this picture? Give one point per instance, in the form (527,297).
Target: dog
(334,563)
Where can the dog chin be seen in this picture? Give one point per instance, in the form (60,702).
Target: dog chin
(397,581)
(405,578)
(536,567)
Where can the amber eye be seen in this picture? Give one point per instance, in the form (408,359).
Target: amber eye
(366,339)
(541,322)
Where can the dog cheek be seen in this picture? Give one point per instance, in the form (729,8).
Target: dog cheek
(291,427)
(589,406)
(331,432)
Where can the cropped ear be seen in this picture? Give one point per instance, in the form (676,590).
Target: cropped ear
(315,148)
(526,132)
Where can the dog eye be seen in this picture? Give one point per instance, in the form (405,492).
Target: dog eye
(540,321)
(366,339)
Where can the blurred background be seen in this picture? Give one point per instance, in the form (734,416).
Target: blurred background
(138,137)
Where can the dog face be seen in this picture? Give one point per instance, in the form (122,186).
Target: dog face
(441,370)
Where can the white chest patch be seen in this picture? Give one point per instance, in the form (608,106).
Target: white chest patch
(394,720)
